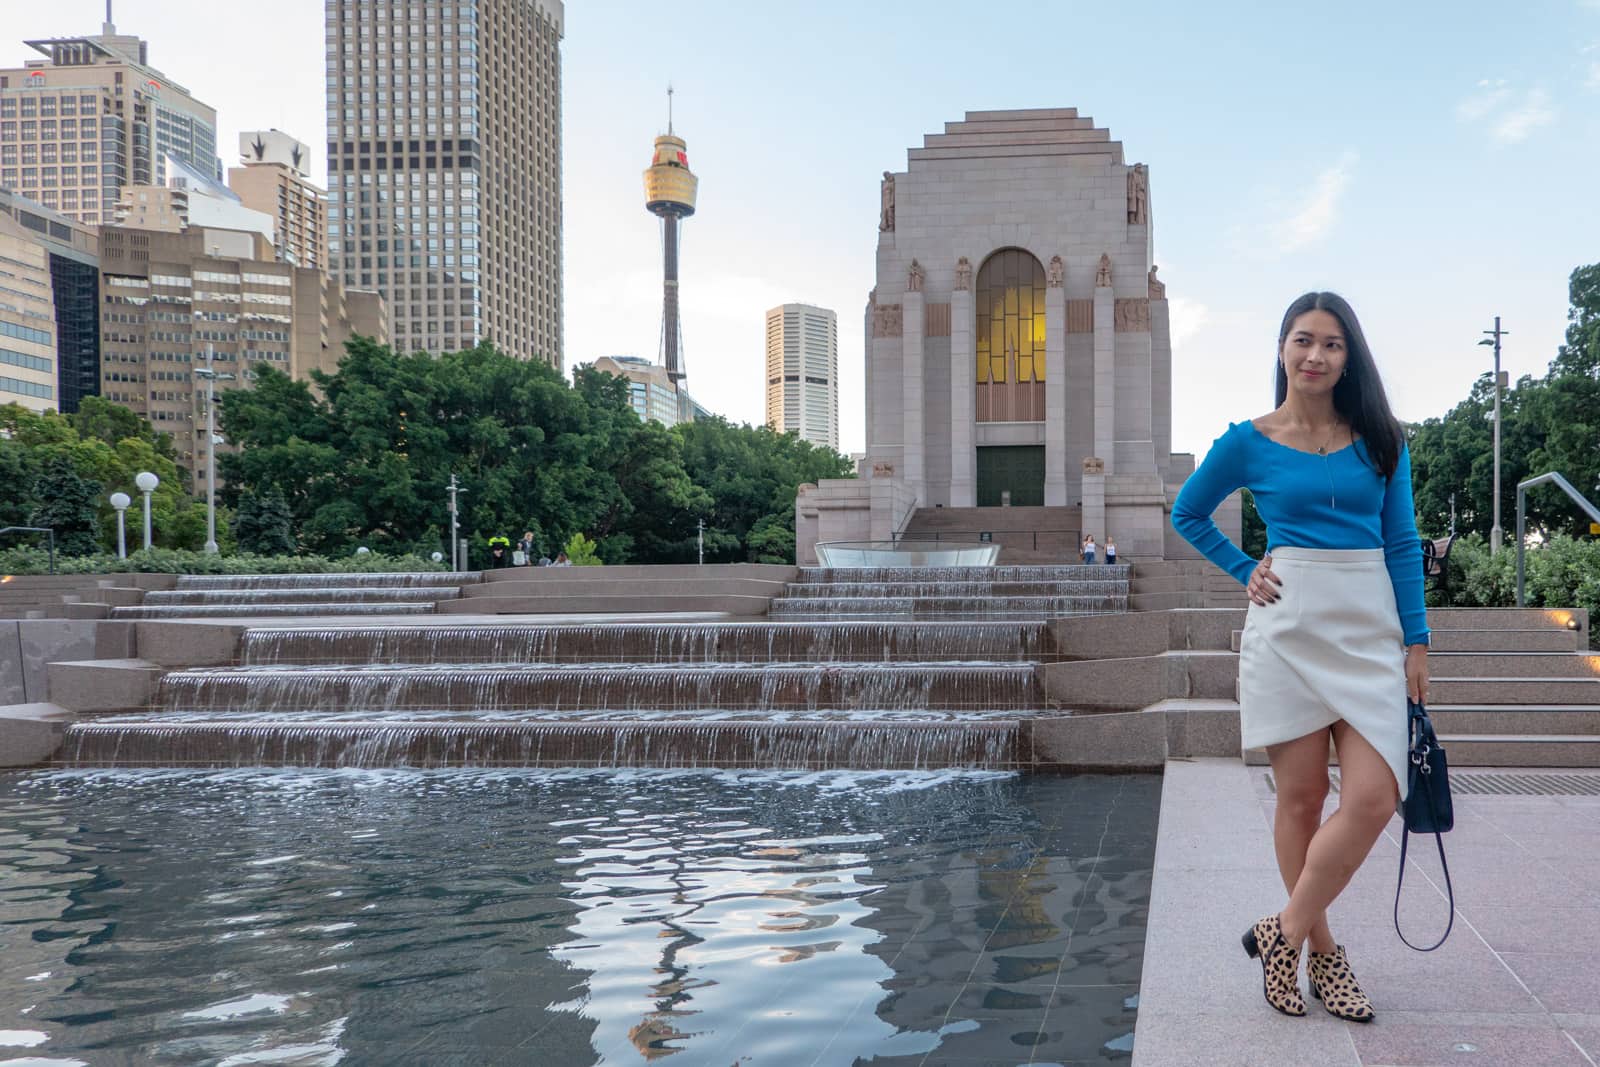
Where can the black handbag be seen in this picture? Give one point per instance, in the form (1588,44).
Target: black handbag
(1426,809)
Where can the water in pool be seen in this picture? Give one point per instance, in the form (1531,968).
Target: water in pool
(571,917)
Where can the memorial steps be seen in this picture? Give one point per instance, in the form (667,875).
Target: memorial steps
(277,595)
(879,690)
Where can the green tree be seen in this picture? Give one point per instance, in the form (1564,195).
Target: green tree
(751,475)
(1547,424)
(263,523)
(370,460)
(581,552)
(67,503)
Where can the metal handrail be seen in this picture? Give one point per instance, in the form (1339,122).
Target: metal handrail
(38,529)
(1522,490)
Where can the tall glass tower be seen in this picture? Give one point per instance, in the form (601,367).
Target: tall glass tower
(444,168)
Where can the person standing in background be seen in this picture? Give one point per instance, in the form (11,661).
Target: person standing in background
(1111,551)
(1088,548)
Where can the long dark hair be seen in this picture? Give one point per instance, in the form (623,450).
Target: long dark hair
(1358,396)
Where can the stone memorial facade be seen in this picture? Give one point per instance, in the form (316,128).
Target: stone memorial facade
(1018,350)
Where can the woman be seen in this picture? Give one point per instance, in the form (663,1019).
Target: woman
(1337,594)
(1111,552)
(1088,548)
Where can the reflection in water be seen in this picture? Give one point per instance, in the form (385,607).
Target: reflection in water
(570,917)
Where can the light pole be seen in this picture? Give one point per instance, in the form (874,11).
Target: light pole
(120,501)
(211,377)
(700,539)
(147,483)
(453,489)
(1494,339)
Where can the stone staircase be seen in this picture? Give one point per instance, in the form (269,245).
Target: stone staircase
(295,595)
(1512,687)
(1168,584)
(1003,592)
(726,588)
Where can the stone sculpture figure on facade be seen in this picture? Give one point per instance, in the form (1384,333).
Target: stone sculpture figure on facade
(963,274)
(886,210)
(1056,273)
(914,278)
(1138,194)
(1102,277)
(1158,288)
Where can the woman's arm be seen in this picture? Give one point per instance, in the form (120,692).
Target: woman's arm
(1402,552)
(1222,472)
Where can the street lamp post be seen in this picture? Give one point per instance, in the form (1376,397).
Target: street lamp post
(147,483)
(211,377)
(120,501)
(454,489)
(1495,334)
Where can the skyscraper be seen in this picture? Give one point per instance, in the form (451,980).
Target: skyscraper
(92,117)
(70,280)
(275,178)
(444,168)
(803,372)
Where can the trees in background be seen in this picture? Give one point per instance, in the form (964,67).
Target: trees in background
(59,471)
(1547,424)
(368,461)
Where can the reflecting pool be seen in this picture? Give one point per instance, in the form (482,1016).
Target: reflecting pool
(571,917)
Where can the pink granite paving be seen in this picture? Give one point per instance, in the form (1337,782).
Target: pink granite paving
(1517,984)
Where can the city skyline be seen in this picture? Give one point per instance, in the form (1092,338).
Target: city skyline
(1440,185)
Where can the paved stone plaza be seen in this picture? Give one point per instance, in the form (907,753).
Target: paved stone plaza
(1516,985)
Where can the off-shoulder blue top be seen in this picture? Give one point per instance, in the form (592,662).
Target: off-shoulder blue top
(1310,501)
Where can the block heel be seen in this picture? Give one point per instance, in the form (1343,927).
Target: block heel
(1280,965)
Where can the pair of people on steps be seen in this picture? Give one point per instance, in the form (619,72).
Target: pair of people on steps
(1336,634)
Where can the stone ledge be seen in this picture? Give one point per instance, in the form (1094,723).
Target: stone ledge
(103,685)
(31,733)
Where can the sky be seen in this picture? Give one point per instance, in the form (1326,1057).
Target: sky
(1435,162)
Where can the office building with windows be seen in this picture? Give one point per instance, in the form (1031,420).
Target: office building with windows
(93,116)
(274,176)
(803,373)
(70,278)
(174,300)
(651,391)
(444,168)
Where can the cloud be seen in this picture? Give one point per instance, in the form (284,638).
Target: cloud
(1313,216)
(1187,318)
(1510,114)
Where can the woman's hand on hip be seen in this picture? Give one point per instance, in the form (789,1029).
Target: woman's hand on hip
(1417,673)
(1262,586)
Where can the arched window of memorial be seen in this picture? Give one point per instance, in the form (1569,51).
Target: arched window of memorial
(1010,337)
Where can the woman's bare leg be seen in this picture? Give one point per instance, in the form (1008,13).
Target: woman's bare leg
(1300,769)
(1367,795)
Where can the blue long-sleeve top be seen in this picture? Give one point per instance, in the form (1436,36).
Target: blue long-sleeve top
(1309,501)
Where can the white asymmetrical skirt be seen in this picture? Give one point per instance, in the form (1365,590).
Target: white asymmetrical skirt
(1331,648)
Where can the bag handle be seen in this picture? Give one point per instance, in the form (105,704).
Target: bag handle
(1405,836)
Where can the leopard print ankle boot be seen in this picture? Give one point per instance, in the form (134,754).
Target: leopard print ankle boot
(1333,983)
(1280,965)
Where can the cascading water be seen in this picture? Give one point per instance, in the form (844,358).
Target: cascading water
(1026,592)
(869,691)
(267,690)
(731,642)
